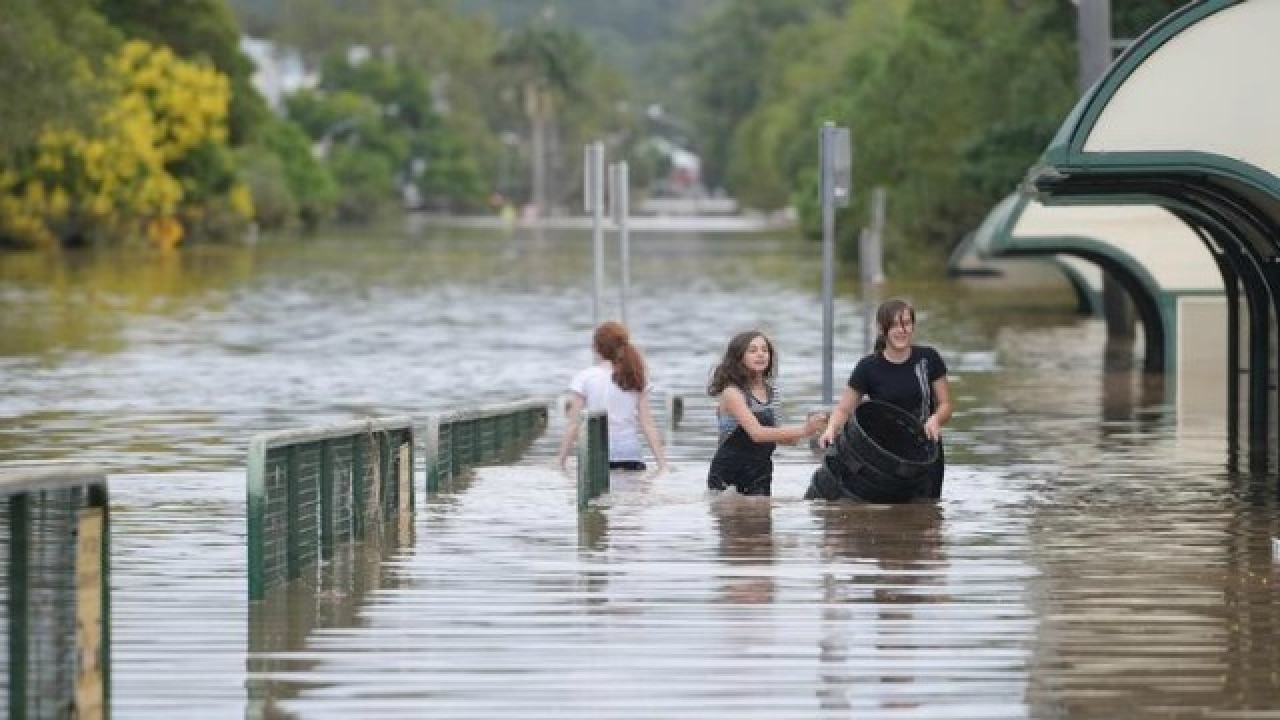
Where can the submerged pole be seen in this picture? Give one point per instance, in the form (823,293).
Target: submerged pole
(834,188)
(593,198)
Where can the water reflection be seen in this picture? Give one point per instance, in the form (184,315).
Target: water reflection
(1132,630)
(81,301)
(870,656)
(745,529)
(291,618)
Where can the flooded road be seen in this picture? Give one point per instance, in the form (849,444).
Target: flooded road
(1091,557)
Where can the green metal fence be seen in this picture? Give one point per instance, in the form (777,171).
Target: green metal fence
(314,489)
(55,552)
(593,458)
(465,438)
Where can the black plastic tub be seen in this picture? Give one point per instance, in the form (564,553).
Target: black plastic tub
(881,456)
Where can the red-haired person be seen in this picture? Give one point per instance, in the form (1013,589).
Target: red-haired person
(617,384)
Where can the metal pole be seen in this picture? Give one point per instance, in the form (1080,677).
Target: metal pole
(828,266)
(836,180)
(621,178)
(1093,28)
(593,198)
(875,257)
(865,254)
(1093,42)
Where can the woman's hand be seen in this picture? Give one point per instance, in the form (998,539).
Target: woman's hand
(814,423)
(933,428)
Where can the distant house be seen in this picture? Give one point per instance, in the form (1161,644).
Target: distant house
(684,172)
(279,71)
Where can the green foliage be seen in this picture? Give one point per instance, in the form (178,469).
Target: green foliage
(274,203)
(956,82)
(309,182)
(643,39)
(550,57)
(1131,18)
(366,181)
(948,103)
(201,30)
(49,50)
(387,110)
(259,18)
(731,65)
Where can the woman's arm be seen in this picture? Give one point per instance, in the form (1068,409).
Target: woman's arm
(734,403)
(573,417)
(941,391)
(650,430)
(839,415)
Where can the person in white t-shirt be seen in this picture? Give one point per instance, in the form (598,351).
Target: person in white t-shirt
(616,384)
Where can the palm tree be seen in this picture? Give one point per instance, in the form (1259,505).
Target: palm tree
(547,64)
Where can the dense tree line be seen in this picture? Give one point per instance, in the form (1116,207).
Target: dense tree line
(139,119)
(948,102)
(120,121)
(465,102)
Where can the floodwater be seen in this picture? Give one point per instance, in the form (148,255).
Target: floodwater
(1091,557)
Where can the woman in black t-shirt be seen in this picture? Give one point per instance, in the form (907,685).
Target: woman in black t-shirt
(913,377)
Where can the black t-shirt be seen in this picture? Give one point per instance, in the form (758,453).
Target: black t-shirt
(909,385)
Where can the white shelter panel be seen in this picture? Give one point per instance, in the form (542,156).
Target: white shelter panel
(1202,357)
(1208,89)
(1167,248)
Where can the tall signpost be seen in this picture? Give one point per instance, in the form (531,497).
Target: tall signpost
(620,204)
(837,166)
(593,198)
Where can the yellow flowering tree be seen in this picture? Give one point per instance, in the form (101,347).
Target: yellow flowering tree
(156,165)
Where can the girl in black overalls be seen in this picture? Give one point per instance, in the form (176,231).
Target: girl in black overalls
(747,417)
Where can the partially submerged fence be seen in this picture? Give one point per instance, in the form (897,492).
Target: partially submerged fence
(54,549)
(314,489)
(593,458)
(465,438)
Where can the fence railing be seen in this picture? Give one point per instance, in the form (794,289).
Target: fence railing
(55,552)
(314,489)
(593,458)
(461,439)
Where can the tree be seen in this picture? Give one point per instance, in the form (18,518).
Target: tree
(547,64)
(202,30)
(730,64)
(49,52)
(153,163)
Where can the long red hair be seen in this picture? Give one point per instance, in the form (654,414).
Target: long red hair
(613,343)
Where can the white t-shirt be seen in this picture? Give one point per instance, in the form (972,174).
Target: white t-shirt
(596,386)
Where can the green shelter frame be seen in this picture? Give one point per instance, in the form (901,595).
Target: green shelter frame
(1168,125)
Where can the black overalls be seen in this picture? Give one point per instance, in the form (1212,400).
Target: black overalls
(741,462)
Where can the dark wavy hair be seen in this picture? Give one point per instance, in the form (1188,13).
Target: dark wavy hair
(731,372)
(613,343)
(886,315)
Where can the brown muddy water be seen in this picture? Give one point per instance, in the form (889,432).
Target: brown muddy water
(1091,557)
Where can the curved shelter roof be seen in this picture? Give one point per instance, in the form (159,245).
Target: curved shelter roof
(1187,119)
(1156,256)
(1155,244)
(973,258)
